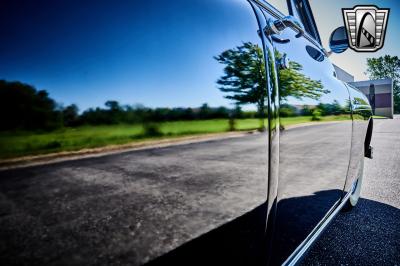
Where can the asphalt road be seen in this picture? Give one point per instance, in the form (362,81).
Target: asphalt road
(116,209)
(131,207)
(370,233)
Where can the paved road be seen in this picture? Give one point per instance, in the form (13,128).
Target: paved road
(105,210)
(131,207)
(370,234)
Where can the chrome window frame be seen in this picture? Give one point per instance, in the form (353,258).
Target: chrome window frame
(279,15)
(309,17)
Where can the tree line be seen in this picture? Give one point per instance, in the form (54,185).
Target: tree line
(115,113)
(23,107)
(324,109)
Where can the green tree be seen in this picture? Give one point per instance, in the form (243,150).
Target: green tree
(70,115)
(295,84)
(24,107)
(386,67)
(244,75)
(113,106)
(205,111)
(245,81)
(114,114)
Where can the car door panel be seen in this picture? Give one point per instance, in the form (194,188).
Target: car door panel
(195,179)
(313,157)
(361,135)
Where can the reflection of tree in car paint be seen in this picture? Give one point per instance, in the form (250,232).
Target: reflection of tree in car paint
(244,79)
(295,84)
(244,75)
(360,101)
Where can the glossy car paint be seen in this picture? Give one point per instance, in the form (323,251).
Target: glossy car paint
(274,131)
(314,159)
(248,197)
(255,198)
(362,123)
(212,195)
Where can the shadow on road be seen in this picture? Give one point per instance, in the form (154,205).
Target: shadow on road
(239,242)
(367,235)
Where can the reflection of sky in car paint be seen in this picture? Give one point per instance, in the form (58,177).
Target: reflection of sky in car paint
(87,54)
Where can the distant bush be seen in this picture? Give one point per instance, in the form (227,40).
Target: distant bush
(287,110)
(316,115)
(53,145)
(333,108)
(307,111)
(152,129)
(232,124)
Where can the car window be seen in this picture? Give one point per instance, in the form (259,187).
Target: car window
(328,16)
(302,10)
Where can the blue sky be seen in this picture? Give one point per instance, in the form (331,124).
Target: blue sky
(126,51)
(87,52)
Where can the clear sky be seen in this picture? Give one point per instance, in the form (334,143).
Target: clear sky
(156,53)
(87,52)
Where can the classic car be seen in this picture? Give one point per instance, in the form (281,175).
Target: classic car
(263,198)
(289,158)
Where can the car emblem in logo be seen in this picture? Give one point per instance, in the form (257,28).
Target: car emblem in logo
(366,27)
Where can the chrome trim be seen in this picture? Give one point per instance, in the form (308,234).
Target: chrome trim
(277,26)
(279,15)
(302,249)
(273,128)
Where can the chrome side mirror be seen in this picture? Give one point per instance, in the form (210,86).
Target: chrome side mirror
(338,42)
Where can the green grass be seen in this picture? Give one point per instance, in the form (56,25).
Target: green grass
(379,117)
(287,121)
(15,144)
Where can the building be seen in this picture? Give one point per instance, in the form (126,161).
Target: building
(343,75)
(378,91)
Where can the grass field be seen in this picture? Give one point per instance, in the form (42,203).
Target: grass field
(16,144)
